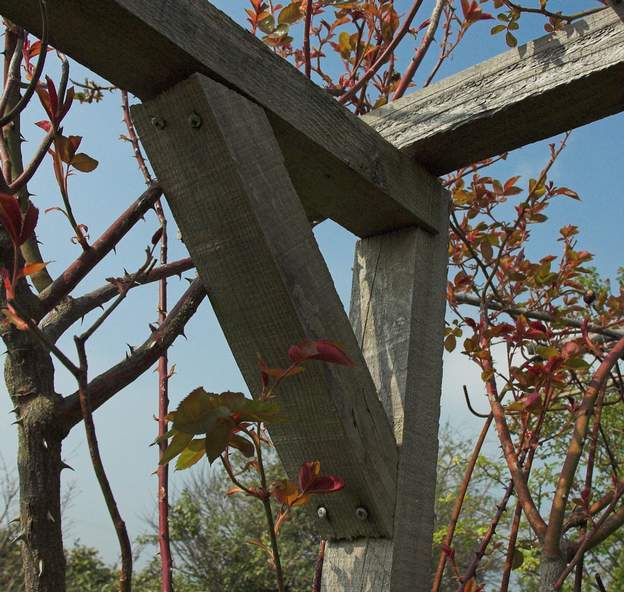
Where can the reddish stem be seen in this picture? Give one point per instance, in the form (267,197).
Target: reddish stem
(383,58)
(318,568)
(307,60)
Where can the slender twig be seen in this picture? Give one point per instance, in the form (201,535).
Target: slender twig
(73,309)
(43,339)
(421,52)
(307,61)
(134,139)
(164,542)
(539,315)
(471,408)
(459,502)
(35,162)
(30,90)
(266,502)
(511,547)
(568,18)
(381,60)
(77,270)
(109,383)
(318,568)
(149,263)
(587,538)
(125,575)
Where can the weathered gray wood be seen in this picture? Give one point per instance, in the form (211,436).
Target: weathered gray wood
(255,252)
(551,85)
(397,310)
(341,168)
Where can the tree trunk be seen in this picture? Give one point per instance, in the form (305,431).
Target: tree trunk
(29,375)
(550,570)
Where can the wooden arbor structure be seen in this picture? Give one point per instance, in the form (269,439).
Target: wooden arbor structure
(249,152)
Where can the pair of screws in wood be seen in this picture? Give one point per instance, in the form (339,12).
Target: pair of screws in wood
(361,513)
(194,119)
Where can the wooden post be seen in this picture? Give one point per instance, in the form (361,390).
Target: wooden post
(224,176)
(397,311)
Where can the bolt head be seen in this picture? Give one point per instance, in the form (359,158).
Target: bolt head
(361,513)
(159,123)
(321,512)
(195,120)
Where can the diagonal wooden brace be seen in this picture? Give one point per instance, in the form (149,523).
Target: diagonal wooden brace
(223,173)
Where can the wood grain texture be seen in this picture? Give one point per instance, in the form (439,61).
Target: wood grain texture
(341,168)
(248,235)
(559,82)
(397,311)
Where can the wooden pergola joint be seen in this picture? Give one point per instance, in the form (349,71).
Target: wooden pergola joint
(223,173)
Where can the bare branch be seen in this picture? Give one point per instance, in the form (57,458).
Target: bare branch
(70,278)
(73,309)
(109,383)
(538,315)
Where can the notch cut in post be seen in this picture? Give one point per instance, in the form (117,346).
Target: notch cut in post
(253,246)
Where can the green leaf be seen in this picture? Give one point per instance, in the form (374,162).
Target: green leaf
(199,412)
(84,163)
(179,442)
(242,444)
(518,559)
(577,364)
(497,29)
(192,454)
(218,438)
(511,40)
(267,25)
(291,14)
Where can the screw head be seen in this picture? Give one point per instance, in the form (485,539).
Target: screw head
(195,120)
(361,513)
(321,512)
(159,123)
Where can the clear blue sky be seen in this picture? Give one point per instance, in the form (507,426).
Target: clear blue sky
(591,165)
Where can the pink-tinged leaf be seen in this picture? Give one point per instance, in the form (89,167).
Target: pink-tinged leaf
(311,481)
(44,125)
(234,491)
(69,99)
(6,281)
(320,349)
(11,216)
(28,224)
(326,484)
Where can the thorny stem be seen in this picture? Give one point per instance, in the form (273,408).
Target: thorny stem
(459,502)
(163,409)
(266,502)
(30,90)
(511,547)
(125,575)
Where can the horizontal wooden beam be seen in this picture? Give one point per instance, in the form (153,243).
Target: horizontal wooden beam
(224,177)
(341,168)
(557,83)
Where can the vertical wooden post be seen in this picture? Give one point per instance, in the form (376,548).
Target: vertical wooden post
(397,311)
